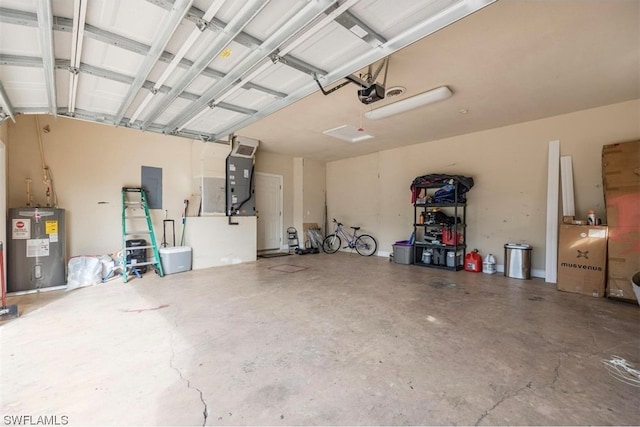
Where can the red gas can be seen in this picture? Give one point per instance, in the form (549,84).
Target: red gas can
(473,262)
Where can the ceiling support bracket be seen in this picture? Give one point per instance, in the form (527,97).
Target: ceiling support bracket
(371,75)
(333,89)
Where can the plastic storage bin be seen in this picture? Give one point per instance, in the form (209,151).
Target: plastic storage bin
(403,252)
(517,260)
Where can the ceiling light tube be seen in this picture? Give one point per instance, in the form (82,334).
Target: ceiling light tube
(429,97)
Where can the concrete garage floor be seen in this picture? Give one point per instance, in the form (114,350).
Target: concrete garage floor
(319,340)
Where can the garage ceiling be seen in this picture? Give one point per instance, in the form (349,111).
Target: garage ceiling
(205,69)
(196,68)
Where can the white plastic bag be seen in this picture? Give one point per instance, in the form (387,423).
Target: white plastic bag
(108,267)
(83,271)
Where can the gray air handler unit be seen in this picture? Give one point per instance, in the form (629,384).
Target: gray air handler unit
(36,252)
(240,192)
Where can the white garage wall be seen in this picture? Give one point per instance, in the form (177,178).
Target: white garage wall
(354,195)
(314,191)
(509,166)
(90,165)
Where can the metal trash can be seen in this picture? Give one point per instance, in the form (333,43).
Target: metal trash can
(517,260)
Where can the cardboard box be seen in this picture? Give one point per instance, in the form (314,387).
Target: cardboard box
(621,168)
(623,211)
(582,259)
(624,261)
(621,179)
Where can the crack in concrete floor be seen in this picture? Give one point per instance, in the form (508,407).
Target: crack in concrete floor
(499,402)
(205,411)
(528,386)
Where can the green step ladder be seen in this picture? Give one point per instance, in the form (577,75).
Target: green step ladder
(132,198)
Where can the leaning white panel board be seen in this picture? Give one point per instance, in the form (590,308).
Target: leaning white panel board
(566,174)
(553,181)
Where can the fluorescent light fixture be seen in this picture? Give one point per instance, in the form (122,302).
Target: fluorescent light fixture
(434,95)
(348,133)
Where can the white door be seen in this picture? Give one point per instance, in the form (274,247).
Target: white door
(268,190)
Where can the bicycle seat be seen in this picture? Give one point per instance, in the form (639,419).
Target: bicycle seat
(356,228)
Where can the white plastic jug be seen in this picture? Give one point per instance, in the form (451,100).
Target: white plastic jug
(489,264)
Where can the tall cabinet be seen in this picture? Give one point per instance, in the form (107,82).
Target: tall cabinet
(439,228)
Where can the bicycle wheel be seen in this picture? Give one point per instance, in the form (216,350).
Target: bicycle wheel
(331,244)
(366,245)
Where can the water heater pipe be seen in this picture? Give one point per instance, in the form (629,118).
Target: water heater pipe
(28,181)
(46,172)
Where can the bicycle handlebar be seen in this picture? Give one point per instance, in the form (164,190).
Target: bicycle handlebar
(339,223)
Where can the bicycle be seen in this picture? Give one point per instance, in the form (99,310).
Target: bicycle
(364,244)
